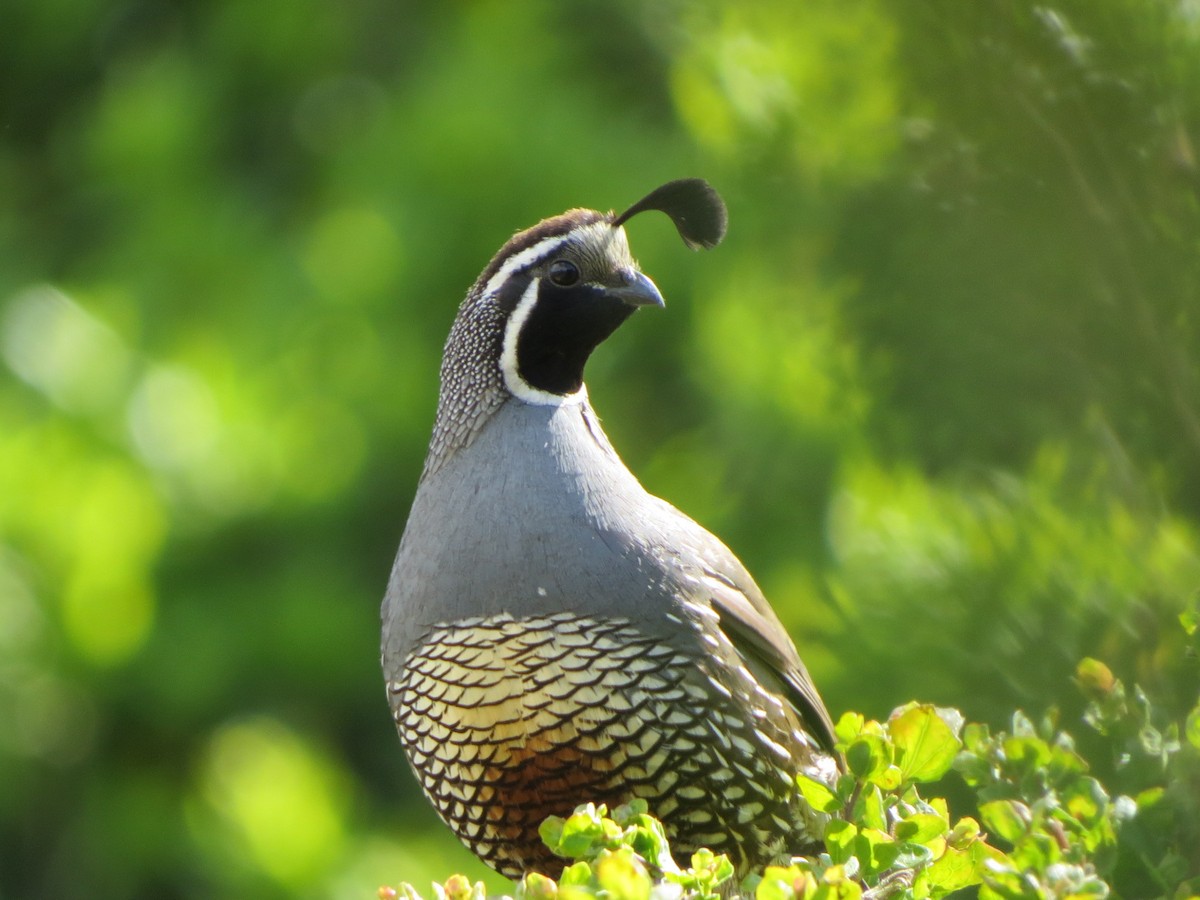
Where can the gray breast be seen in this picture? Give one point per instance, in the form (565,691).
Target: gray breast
(538,515)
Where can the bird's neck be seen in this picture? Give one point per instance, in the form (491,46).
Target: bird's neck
(546,445)
(473,385)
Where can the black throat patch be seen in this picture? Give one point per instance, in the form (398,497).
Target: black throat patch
(563,328)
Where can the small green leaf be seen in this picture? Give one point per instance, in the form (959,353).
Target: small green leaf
(1094,677)
(1150,797)
(818,795)
(551,831)
(837,885)
(574,837)
(976,737)
(921,828)
(868,756)
(793,882)
(925,743)
(872,815)
(457,887)
(1190,620)
(845,788)
(1022,726)
(964,833)
(708,871)
(626,811)
(701,882)
(1086,800)
(534,886)
(889,779)
(1030,752)
(619,873)
(839,840)
(876,850)
(1007,818)
(911,856)
(849,726)
(723,869)
(953,871)
(579,873)
(975,770)
(646,836)
(1191,728)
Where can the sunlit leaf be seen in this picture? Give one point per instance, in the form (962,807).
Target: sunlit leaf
(1007,819)
(1094,676)
(1192,727)
(920,828)
(839,840)
(868,756)
(925,743)
(621,875)
(818,795)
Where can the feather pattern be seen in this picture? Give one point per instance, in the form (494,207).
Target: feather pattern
(553,633)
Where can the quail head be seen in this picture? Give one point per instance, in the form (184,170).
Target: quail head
(552,633)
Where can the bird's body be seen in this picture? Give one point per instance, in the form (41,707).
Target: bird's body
(554,634)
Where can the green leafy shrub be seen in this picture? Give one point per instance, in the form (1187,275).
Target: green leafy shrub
(1042,824)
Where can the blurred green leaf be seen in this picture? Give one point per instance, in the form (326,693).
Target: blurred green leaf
(817,795)
(839,840)
(920,828)
(926,744)
(1094,676)
(954,870)
(1007,819)
(1192,727)
(868,756)
(620,875)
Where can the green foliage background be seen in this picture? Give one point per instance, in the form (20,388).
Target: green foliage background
(940,387)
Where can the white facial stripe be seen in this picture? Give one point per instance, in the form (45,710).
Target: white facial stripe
(518,386)
(599,232)
(526,257)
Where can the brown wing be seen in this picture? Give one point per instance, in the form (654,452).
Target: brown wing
(749,621)
(755,630)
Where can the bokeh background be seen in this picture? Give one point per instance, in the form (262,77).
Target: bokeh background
(939,388)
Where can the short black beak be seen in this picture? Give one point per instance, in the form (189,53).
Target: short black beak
(638,290)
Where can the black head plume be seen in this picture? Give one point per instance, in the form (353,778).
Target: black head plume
(694,206)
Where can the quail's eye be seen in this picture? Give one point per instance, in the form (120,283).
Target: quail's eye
(564,273)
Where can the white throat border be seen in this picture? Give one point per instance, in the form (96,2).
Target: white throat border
(518,386)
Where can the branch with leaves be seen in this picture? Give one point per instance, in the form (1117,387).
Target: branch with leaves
(1044,826)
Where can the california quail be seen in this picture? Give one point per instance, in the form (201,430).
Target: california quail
(552,633)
